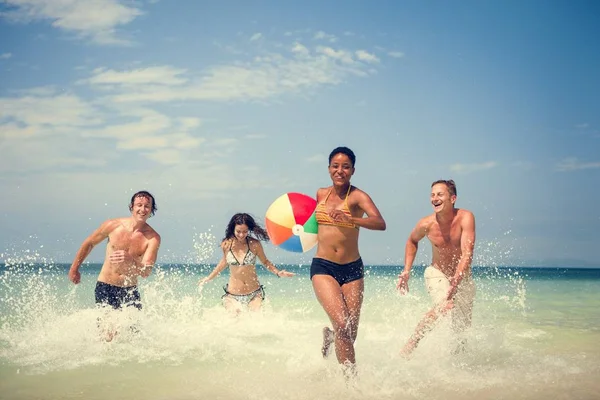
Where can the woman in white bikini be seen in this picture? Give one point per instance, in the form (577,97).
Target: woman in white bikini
(239,254)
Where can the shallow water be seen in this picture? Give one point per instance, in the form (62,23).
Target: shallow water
(534,335)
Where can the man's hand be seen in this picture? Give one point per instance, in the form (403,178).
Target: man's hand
(74,276)
(121,257)
(402,285)
(453,288)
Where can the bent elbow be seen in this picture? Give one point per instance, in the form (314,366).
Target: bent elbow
(383,225)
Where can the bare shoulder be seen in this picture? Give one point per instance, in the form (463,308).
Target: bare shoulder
(254,244)
(322,192)
(110,225)
(357,191)
(150,233)
(359,194)
(426,222)
(225,244)
(465,215)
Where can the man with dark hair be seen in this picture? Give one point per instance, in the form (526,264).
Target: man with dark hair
(451,232)
(131,251)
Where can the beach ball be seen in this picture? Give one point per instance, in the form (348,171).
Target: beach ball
(291,222)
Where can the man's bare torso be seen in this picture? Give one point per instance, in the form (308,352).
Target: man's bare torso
(445,242)
(134,243)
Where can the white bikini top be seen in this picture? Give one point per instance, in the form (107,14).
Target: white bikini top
(249,257)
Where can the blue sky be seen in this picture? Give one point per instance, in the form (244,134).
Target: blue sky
(220,107)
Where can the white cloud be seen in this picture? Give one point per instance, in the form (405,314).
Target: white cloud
(166,157)
(263,77)
(468,168)
(395,54)
(363,55)
(163,75)
(143,143)
(5,56)
(341,55)
(325,36)
(573,164)
(93,19)
(189,123)
(584,125)
(300,49)
(45,128)
(48,112)
(255,37)
(183,141)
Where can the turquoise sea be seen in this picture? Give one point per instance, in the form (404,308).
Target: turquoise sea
(535,335)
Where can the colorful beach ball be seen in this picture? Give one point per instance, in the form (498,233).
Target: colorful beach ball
(291,222)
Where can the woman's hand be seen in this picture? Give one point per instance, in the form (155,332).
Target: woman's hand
(284,273)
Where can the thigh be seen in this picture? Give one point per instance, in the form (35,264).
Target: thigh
(353,294)
(463,301)
(329,293)
(437,285)
(256,302)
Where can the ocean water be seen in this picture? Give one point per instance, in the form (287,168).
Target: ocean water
(535,335)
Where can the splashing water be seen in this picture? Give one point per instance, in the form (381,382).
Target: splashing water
(187,346)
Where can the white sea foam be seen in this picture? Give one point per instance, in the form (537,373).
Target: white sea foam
(188,346)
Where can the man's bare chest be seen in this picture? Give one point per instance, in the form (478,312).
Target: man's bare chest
(445,238)
(135,243)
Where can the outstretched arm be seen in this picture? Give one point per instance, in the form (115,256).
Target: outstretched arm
(86,247)
(260,253)
(410,251)
(467,245)
(221,265)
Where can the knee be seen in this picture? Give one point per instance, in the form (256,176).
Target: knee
(344,329)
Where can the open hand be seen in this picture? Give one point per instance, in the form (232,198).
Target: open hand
(402,285)
(285,274)
(203,281)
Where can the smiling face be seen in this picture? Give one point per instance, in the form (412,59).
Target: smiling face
(241,232)
(341,169)
(441,199)
(141,209)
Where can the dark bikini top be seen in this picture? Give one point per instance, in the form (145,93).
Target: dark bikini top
(249,258)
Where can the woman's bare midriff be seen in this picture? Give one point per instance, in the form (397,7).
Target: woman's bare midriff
(243,279)
(337,244)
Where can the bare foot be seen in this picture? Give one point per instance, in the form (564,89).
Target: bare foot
(328,338)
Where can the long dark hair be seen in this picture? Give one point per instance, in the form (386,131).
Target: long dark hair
(245,219)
